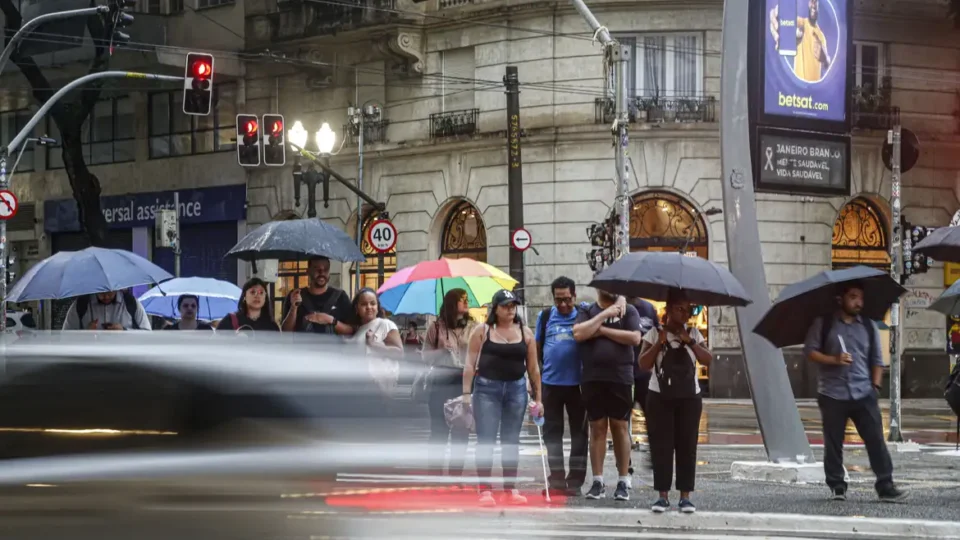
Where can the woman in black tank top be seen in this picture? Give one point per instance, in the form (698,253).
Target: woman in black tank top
(499,354)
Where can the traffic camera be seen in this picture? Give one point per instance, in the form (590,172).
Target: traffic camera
(198,84)
(248,140)
(274,153)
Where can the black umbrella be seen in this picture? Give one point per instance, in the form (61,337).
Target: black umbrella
(297,239)
(942,244)
(787,321)
(653,275)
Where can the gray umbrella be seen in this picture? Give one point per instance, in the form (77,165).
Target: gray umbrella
(653,275)
(949,301)
(297,239)
(942,244)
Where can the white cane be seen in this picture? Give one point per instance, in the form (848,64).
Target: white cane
(543,461)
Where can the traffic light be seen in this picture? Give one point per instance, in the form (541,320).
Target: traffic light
(119,18)
(274,153)
(248,140)
(11,274)
(198,84)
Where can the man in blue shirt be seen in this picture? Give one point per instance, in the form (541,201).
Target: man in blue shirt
(560,381)
(846,348)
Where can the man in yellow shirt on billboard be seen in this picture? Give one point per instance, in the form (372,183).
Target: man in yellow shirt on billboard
(812,58)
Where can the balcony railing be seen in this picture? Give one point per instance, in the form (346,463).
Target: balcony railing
(295,19)
(454,3)
(374,131)
(454,123)
(881,118)
(659,110)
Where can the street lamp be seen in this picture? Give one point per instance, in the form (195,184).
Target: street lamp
(325,138)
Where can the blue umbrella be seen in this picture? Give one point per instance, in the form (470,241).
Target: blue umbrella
(217,298)
(297,239)
(92,270)
(949,302)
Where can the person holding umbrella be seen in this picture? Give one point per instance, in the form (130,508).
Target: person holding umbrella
(673,400)
(114,310)
(832,314)
(253,310)
(319,307)
(188,304)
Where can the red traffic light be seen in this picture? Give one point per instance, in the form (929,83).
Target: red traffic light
(276,128)
(251,127)
(201,69)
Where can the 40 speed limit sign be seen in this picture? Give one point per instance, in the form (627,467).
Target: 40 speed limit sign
(382,236)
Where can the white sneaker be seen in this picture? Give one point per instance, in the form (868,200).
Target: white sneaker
(514,497)
(486,499)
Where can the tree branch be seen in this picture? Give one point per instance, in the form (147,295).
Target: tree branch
(100,34)
(42,90)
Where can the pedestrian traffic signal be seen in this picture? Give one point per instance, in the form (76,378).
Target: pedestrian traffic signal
(119,18)
(198,84)
(274,153)
(248,140)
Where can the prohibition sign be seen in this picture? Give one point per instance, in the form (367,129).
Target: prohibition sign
(521,240)
(8,204)
(382,236)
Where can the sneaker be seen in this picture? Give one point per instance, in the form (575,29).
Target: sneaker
(686,506)
(514,497)
(661,506)
(486,499)
(596,491)
(839,494)
(892,494)
(621,494)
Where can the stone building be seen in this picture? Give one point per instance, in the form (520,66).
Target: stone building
(437,154)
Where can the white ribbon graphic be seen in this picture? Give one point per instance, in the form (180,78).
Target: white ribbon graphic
(769,165)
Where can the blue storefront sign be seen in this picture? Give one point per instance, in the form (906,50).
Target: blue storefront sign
(202,205)
(805,60)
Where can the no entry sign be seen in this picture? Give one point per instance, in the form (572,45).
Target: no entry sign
(382,236)
(521,240)
(8,204)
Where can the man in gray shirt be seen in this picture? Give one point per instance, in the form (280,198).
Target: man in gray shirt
(846,348)
(115,310)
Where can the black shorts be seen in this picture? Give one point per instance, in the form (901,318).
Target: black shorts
(607,400)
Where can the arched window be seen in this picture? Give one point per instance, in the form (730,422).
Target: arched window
(464,235)
(662,221)
(860,236)
(378,267)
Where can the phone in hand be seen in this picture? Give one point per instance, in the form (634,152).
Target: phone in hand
(787,20)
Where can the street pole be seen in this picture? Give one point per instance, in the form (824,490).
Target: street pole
(176,246)
(511,83)
(896,264)
(616,57)
(4,184)
(34,23)
(359,200)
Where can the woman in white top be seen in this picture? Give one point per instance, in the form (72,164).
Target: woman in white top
(380,336)
(674,405)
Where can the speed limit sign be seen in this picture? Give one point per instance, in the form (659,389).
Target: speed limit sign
(382,236)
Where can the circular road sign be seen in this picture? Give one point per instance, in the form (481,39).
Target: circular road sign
(521,240)
(8,204)
(382,236)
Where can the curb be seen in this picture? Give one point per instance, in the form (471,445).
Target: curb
(745,524)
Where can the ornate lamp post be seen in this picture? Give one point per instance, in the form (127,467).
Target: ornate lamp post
(325,138)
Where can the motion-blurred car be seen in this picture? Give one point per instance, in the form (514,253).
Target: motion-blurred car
(20,322)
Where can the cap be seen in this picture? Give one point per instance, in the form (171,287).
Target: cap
(504,297)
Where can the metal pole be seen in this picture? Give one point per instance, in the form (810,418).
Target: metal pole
(896,263)
(3,250)
(176,247)
(776,409)
(619,57)
(34,23)
(359,200)
(45,108)
(511,83)
(601,31)
(325,165)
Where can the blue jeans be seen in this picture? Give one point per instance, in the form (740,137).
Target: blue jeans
(499,406)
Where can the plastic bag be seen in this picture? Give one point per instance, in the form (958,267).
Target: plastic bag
(459,415)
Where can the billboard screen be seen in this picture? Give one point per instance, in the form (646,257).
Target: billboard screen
(805,61)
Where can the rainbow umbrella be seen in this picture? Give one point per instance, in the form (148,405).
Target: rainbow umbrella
(419,289)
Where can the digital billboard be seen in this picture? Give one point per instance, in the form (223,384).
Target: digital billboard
(805,63)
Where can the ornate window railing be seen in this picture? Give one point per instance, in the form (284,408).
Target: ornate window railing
(374,131)
(454,3)
(454,123)
(872,107)
(660,110)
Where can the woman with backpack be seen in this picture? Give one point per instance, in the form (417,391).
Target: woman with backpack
(444,349)
(253,310)
(674,405)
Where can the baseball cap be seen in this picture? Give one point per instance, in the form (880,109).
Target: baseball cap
(504,297)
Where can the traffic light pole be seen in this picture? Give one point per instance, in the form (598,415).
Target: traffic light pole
(32,24)
(380,207)
(896,265)
(22,137)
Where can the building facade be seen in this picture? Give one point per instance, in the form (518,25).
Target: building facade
(436,154)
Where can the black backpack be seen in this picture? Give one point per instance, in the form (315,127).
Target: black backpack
(542,332)
(952,394)
(828,325)
(676,372)
(129,302)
